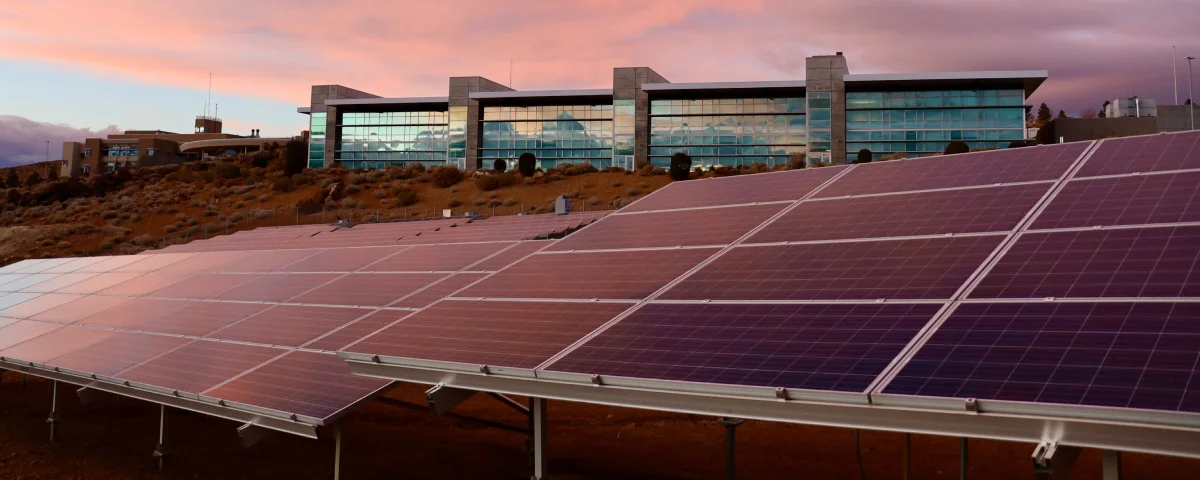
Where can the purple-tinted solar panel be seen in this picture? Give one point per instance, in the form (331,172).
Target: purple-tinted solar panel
(80,309)
(510,334)
(144,284)
(99,283)
(200,365)
(269,261)
(59,282)
(1141,199)
(358,329)
(24,330)
(717,226)
(1047,162)
(989,209)
(200,318)
(209,262)
(290,325)
(38,305)
(423,258)
(439,290)
(204,286)
(507,257)
(1134,355)
(631,274)
(55,343)
(368,289)
(154,262)
(1151,153)
(135,313)
(317,385)
(118,352)
(276,288)
(840,347)
(344,260)
(765,187)
(895,269)
(1134,263)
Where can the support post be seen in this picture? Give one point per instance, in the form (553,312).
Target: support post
(1051,460)
(162,451)
(1112,465)
(862,469)
(731,425)
(53,418)
(86,395)
(251,434)
(962,458)
(442,399)
(537,420)
(337,452)
(907,454)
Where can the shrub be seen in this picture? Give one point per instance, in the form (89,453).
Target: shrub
(353,189)
(681,163)
(295,157)
(864,156)
(12,180)
(491,182)
(445,177)
(143,240)
(500,166)
(349,203)
(307,205)
(454,203)
(283,185)
(263,198)
(508,202)
(236,217)
(1017,144)
(956,147)
(33,179)
(182,175)
(228,171)
(262,215)
(381,193)
(357,179)
(301,179)
(593,201)
(581,169)
(633,192)
(621,202)
(529,180)
(526,164)
(479,202)
(405,196)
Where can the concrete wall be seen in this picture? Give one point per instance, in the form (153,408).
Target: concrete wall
(1081,129)
(1175,118)
(825,73)
(73,156)
(321,93)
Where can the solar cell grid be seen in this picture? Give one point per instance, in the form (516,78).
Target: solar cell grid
(356,330)
(1046,162)
(768,187)
(509,334)
(27,281)
(145,283)
(1132,355)
(38,305)
(439,290)
(289,325)
(42,266)
(110,264)
(269,261)
(61,281)
(719,226)
(76,264)
(15,267)
(204,286)
(98,283)
(1133,262)
(9,299)
(55,343)
(24,330)
(154,262)
(317,385)
(9,277)
(932,268)
(507,257)
(1141,199)
(425,258)
(990,209)
(199,365)
(200,318)
(630,275)
(276,288)
(136,312)
(343,260)
(368,289)
(1151,153)
(116,353)
(208,262)
(840,347)
(80,309)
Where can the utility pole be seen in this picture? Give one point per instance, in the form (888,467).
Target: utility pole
(1175,74)
(47,150)
(1191,92)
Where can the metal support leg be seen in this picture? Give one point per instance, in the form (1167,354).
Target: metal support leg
(907,454)
(162,451)
(537,408)
(962,459)
(53,419)
(731,425)
(1112,465)
(1051,460)
(337,452)
(862,469)
(22,380)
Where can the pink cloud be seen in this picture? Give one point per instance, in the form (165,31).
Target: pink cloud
(23,140)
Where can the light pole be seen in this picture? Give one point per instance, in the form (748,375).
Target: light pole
(1191,93)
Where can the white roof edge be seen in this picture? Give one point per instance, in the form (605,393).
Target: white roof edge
(583,92)
(304,110)
(662,87)
(386,101)
(986,75)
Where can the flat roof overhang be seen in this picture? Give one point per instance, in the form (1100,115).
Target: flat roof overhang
(725,89)
(590,96)
(409,104)
(1027,80)
(304,110)
(219,143)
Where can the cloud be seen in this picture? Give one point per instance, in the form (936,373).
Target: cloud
(23,140)
(279,48)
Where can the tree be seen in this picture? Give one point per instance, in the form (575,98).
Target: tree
(1104,108)
(1090,113)
(526,164)
(681,165)
(1062,114)
(1044,114)
(864,156)
(12,180)
(500,166)
(33,179)
(956,147)
(295,157)
(1188,102)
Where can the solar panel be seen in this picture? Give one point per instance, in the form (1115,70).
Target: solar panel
(357,329)
(116,353)
(200,365)
(631,274)
(344,260)
(1132,355)
(153,262)
(60,281)
(317,385)
(20,331)
(496,333)
(200,318)
(276,288)
(41,266)
(27,281)
(80,309)
(1046,162)
(99,283)
(1151,153)
(9,277)
(719,226)
(1132,262)
(507,257)
(55,343)
(769,187)
(132,314)
(9,299)
(1132,200)
(289,325)
(15,267)
(931,268)
(37,305)
(368,289)
(204,286)
(439,290)
(840,347)
(112,263)
(144,284)
(75,264)
(426,258)
(990,209)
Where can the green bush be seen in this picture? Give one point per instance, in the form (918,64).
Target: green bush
(681,164)
(864,156)
(526,164)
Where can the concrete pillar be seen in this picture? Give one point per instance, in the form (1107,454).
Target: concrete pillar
(824,75)
(465,114)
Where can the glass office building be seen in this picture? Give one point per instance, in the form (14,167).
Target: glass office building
(644,119)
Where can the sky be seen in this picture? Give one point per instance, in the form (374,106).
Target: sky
(70,68)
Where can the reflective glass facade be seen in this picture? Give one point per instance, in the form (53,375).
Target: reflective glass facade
(382,139)
(728,131)
(819,124)
(553,133)
(922,123)
(624,112)
(316,140)
(458,136)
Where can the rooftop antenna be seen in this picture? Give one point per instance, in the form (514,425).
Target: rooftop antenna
(1175,74)
(208,101)
(216,110)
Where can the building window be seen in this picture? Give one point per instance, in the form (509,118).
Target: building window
(64,163)
(87,152)
(149,151)
(87,169)
(728,131)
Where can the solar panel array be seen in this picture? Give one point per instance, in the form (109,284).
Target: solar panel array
(255,327)
(1057,274)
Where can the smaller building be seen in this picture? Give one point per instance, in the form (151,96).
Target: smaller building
(138,148)
(1131,107)
(1124,117)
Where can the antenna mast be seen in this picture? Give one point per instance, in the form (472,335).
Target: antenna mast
(1175,74)
(208,101)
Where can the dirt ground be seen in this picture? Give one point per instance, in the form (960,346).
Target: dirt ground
(113,439)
